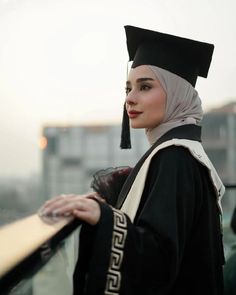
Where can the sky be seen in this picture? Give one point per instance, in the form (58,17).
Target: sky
(65,61)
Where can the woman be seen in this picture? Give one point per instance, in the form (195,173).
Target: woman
(162,235)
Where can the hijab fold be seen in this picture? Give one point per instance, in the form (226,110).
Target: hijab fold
(183,105)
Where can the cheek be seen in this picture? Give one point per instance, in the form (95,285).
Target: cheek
(158,103)
(157,108)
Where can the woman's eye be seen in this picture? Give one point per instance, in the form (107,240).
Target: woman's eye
(127,90)
(145,87)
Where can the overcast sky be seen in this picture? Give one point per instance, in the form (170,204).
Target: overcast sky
(64,62)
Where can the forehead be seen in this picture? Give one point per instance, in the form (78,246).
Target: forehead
(143,71)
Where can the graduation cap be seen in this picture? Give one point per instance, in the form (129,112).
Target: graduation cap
(184,57)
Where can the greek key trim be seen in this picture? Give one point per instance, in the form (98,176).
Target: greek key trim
(117,253)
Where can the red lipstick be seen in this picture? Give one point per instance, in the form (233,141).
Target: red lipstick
(133,114)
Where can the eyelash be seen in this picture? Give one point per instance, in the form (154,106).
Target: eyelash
(127,90)
(143,87)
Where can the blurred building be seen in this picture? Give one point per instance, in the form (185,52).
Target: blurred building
(219,141)
(19,197)
(71,154)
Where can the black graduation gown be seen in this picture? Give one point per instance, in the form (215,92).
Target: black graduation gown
(174,245)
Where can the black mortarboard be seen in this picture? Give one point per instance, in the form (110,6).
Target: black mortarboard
(184,57)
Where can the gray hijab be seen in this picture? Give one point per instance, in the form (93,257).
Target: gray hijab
(183,105)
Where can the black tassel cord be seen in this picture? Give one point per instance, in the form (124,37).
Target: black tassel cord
(125,131)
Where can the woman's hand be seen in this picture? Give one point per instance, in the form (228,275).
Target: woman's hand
(83,207)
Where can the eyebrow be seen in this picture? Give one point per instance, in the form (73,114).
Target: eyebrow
(139,80)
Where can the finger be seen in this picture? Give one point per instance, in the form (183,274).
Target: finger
(88,210)
(96,196)
(54,204)
(87,216)
(57,201)
(54,199)
(66,207)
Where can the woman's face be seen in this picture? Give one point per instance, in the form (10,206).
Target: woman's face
(146,98)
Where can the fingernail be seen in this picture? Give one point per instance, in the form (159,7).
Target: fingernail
(44,212)
(55,213)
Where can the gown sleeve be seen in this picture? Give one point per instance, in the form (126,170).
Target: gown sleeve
(144,257)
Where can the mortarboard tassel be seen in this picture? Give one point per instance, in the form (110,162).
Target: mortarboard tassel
(125,131)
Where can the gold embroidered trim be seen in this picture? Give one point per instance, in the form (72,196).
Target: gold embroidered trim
(117,253)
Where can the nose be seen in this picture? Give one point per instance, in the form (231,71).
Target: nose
(131,98)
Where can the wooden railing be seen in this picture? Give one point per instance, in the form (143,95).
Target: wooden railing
(27,245)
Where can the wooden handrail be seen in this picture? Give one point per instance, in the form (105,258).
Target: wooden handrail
(21,238)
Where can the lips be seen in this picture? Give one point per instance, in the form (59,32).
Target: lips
(133,114)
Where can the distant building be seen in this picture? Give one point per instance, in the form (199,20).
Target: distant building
(71,154)
(219,141)
(19,197)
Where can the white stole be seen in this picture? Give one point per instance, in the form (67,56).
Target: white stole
(131,203)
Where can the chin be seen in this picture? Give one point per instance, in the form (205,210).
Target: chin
(139,125)
(136,125)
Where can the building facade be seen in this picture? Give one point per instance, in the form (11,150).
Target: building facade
(219,141)
(72,154)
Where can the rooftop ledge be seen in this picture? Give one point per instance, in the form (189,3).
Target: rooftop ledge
(21,238)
